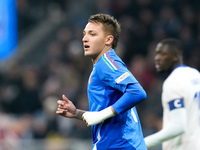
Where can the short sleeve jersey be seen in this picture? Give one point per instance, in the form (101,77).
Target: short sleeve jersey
(107,83)
(182,90)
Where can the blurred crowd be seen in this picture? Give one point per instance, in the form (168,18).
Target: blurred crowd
(29,92)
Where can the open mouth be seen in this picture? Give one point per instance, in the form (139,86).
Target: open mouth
(86,46)
(157,66)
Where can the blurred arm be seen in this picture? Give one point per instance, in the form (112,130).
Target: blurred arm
(176,127)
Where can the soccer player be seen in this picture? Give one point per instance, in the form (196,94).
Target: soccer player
(113,92)
(180,100)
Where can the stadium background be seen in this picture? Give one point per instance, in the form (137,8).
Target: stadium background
(49,62)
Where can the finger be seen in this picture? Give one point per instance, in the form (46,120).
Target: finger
(86,122)
(59,111)
(61,105)
(60,102)
(83,119)
(65,98)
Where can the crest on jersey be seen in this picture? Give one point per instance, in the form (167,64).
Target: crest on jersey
(122,77)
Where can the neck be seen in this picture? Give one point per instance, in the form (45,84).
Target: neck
(100,54)
(176,65)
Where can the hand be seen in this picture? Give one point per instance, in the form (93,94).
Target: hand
(66,108)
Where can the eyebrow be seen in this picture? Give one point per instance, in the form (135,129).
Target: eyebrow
(90,31)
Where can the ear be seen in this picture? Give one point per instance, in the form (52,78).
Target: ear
(109,40)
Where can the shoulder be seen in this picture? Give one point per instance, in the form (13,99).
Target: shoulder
(180,77)
(111,68)
(175,79)
(181,74)
(109,61)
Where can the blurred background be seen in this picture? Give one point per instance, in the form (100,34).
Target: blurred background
(41,58)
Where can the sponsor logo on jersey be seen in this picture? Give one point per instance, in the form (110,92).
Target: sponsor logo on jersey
(122,77)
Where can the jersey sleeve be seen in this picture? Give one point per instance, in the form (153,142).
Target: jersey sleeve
(172,90)
(114,73)
(173,94)
(132,96)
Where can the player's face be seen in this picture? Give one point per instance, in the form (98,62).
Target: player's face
(164,58)
(94,40)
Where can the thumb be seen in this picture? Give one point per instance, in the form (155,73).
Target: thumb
(65,98)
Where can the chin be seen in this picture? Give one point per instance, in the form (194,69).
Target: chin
(161,71)
(88,55)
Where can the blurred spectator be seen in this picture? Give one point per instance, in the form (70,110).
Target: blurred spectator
(28,100)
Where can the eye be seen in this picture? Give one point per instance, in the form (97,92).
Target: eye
(160,53)
(93,34)
(157,53)
(83,34)
(163,53)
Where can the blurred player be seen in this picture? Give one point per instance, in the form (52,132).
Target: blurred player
(112,91)
(180,100)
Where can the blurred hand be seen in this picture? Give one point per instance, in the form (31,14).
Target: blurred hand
(66,108)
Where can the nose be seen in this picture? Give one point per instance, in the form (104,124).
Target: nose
(84,39)
(156,58)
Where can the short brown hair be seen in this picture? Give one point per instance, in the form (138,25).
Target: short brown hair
(110,24)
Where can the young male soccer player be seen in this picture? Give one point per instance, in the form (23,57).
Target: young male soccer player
(112,91)
(180,100)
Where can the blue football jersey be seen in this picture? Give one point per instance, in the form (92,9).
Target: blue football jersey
(107,83)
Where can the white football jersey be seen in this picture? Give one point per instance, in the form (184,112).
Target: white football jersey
(182,89)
